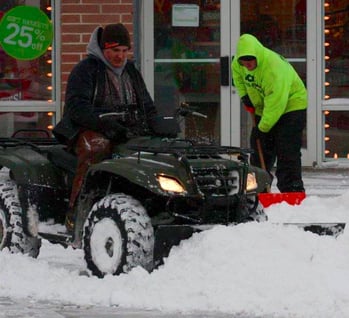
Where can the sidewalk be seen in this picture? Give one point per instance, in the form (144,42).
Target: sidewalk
(323,181)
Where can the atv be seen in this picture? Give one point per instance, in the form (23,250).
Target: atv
(156,190)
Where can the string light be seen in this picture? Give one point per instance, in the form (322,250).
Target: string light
(326,71)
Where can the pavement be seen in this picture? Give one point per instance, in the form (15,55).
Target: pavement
(328,181)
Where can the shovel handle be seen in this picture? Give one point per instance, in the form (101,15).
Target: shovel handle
(258,143)
(259,148)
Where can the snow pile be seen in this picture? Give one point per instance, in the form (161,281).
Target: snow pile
(263,269)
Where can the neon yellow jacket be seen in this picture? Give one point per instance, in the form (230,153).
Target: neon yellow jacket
(274,86)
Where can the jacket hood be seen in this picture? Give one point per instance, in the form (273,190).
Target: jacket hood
(95,50)
(248,45)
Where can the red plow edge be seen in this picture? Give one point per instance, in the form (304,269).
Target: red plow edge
(292,198)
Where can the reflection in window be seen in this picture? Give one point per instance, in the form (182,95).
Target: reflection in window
(279,25)
(25,79)
(336,47)
(336,124)
(12,122)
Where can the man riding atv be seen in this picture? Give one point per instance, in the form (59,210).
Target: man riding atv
(129,201)
(106,81)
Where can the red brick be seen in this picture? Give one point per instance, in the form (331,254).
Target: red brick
(106,1)
(79,9)
(70,38)
(77,28)
(71,18)
(112,8)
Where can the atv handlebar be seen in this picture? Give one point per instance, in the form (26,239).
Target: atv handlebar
(185,110)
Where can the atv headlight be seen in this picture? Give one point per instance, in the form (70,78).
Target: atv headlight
(170,184)
(251,182)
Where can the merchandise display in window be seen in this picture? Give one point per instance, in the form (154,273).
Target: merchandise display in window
(26,65)
(25,77)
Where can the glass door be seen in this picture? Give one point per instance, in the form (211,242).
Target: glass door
(187,63)
(281,27)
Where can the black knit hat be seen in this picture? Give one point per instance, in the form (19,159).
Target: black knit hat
(115,35)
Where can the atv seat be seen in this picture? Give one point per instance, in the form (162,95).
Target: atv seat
(62,158)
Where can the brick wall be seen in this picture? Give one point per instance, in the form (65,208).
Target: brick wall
(78,20)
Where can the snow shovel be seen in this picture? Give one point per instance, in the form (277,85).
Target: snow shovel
(268,198)
(294,198)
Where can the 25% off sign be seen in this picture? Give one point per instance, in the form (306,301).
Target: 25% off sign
(25,32)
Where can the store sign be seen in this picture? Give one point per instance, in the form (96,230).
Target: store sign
(185,15)
(25,32)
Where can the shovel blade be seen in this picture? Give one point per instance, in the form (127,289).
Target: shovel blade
(292,198)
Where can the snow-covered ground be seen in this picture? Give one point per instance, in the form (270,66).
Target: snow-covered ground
(248,270)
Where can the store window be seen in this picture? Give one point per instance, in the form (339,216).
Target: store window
(336,79)
(187,63)
(26,66)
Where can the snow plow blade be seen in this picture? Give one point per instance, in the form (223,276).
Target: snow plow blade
(292,198)
(296,198)
(167,236)
(332,229)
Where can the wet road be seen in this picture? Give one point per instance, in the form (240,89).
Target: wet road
(33,309)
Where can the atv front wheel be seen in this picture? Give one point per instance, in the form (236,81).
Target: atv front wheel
(5,237)
(12,235)
(256,210)
(258,214)
(118,236)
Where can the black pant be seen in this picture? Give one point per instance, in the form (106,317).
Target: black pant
(283,144)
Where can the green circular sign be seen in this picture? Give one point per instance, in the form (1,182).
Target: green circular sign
(25,32)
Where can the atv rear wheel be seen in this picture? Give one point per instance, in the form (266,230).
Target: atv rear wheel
(12,235)
(118,236)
